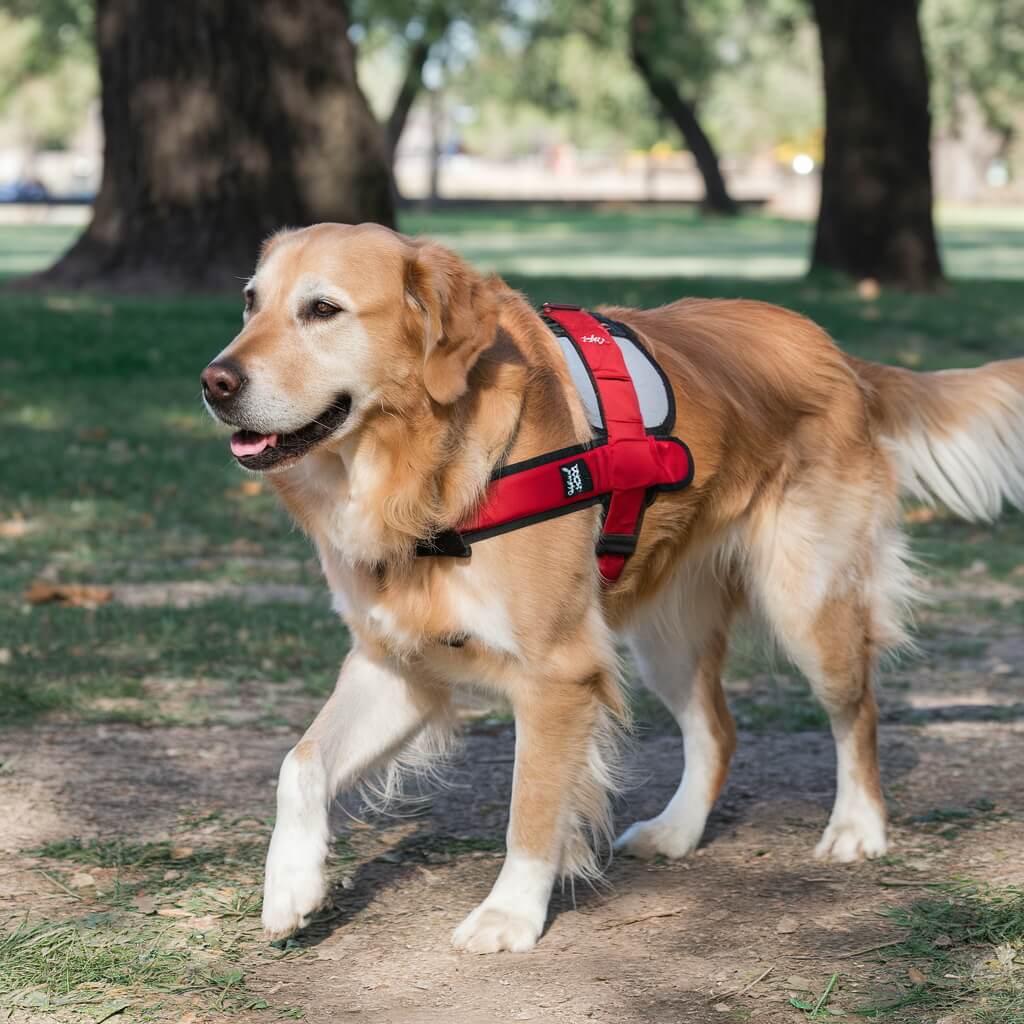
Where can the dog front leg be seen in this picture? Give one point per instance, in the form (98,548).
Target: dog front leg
(557,795)
(372,714)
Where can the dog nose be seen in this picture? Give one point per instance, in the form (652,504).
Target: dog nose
(221,381)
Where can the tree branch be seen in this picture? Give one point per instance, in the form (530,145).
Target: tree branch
(683,115)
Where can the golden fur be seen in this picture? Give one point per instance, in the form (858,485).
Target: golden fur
(792,513)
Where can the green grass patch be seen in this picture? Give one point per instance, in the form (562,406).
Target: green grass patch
(951,822)
(963,953)
(120,853)
(101,965)
(222,661)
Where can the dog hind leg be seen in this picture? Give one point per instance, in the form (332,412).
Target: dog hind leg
(819,585)
(679,650)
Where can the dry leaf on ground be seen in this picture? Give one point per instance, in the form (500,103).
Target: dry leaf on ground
(78,595)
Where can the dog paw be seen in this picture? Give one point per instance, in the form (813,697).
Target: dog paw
(295,888)
(492,929)
(650,839)
(847,841)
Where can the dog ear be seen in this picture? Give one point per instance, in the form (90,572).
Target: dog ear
(460,311)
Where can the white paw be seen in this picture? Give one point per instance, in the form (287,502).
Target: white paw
(492,929)
(649,839)
(295,885)
(854,839)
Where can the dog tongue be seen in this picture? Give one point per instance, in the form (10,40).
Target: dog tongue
(248,442)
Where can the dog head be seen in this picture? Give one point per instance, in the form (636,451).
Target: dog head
(340,320)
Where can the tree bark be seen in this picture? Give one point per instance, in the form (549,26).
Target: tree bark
(222,122)
(683,114)
(875,218)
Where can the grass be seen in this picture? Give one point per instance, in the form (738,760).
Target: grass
(965,947)
(163,927)
(630,241)
(109,964)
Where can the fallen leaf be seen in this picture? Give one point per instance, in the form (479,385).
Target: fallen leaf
(110,1009)
(144,904)
(78,595)
(81,880)
(868,289)
(942,942)
(722,1007)
(170,875)
(11,529)
(93,434)
(1005,955)
(787,925)
(921,514)
(173,912)
(916,977)
(181,852)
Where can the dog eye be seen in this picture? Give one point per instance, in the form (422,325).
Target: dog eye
(250,298)
(324,309)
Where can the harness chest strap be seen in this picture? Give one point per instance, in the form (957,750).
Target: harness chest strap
(623,470)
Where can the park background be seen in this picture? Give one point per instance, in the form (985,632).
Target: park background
(165,634)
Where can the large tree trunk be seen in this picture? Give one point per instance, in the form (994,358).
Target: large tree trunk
(682,113)
(876,196)
(222,122)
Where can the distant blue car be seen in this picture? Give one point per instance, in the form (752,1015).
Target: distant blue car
(24,191)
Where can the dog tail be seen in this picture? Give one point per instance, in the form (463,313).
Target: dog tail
(957,435)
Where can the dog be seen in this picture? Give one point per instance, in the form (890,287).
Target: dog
(378,381)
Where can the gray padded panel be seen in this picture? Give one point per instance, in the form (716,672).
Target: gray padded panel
(650,388)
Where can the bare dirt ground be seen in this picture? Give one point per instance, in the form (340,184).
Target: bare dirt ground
(664,942)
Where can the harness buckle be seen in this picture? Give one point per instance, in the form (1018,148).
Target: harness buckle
(447,544)
(617,544)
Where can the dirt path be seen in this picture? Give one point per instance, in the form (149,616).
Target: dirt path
(664,942)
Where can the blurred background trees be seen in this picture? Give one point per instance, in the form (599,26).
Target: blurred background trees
(724,102)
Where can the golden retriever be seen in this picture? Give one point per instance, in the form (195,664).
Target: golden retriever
(378,380)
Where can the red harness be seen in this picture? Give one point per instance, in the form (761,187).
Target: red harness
(624,467)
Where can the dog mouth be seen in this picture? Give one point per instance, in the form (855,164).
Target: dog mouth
(267,451)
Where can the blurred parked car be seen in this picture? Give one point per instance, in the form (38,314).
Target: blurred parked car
(27,190)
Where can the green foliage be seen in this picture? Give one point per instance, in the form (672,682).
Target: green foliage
(47,67)
(976,49)
(554,84)
(566,73)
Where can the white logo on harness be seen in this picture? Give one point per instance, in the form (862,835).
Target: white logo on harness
(576,478)
(592,339)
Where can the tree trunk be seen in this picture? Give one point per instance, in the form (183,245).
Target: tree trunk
(875,218)
(682,114)
(222,122)
(407,93)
